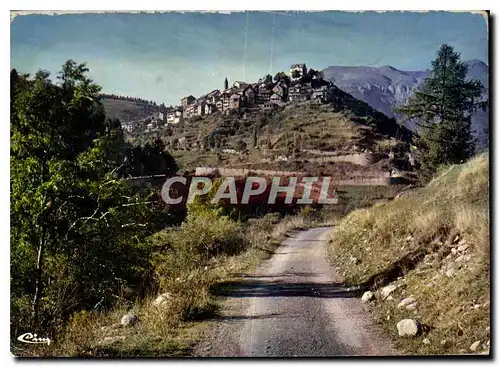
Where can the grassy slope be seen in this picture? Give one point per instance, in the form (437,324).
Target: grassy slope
(413,240)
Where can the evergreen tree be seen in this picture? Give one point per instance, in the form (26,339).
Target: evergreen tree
(226,84)
(443,107)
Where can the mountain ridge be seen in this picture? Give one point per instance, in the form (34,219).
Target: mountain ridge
(385,87)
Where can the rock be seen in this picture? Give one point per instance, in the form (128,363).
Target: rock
(474,346)
(412,306)
(129,320)
(407,327)
(462,258)
(388,290)
(389,298)
(406,302)
(462,351)
(367,296)
(454,251)
(456,239)
(450,272)
(388,317)
(462,248)
(409,238)
(354,260)
(444,342)
(426,341)
(162,299)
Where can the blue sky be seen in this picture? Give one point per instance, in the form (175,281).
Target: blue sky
(164,56)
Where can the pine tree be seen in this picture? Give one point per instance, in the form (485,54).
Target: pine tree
(226,84)
(443,107)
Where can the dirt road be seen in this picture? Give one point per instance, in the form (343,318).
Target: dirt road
(293,305)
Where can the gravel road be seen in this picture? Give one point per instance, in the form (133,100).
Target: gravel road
(293,305)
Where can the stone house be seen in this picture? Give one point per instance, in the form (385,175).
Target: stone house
(299,93)
(262,95)
(210,108)
(235,101)
(276,99)
(186,101)
(174,116)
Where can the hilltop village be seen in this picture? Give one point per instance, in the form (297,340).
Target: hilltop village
(267,94)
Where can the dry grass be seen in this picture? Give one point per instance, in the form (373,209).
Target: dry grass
(171,329)
(413,236)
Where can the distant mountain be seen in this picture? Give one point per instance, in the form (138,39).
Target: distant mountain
(385,87)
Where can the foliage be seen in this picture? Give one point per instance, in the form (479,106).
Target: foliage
(77,228)
(151,159)
(444,105)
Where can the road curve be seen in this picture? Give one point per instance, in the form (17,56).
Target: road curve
(293,305)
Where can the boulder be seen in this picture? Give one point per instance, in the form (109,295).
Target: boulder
(450,272)
(462,248)
(407,327)
(129,320)
(388,290)
(426,341)
(367,296)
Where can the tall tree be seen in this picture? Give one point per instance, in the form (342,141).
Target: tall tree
(74,221)
(443,107)
(226,84)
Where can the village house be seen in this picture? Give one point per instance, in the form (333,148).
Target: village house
(186,101)
(200,108)
(281,90)
(321,94)
(174,116)
(235,101)
(262,94)
(249,96)
(268,106)
(210,108)
(190,111)
(240,85)
(276,99)
(299,93)
(297,71)
(213,96)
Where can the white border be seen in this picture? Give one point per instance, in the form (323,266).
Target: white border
(221,5)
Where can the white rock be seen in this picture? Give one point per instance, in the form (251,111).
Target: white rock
(462,248)
(412,306)
(354,260)
(426,341)
(389,298)
(454,251)
(444,342)
(407,327)
(406,302)
(450,272)
(129,320)
(367,296)
(474,346)
(462,258)
(388,290)
(162,299)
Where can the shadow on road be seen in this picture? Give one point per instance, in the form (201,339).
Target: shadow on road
(270,289)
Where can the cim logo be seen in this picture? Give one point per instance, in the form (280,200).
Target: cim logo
(33,339)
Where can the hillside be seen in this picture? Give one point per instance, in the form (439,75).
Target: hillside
(426,257)
(385,87)
(127,110)
(346,136)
